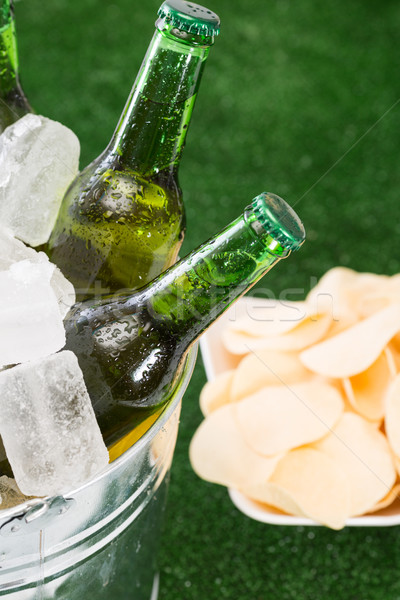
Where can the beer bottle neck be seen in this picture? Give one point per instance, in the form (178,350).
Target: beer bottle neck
(13,103)
(197,290)
(152,129)
(8,50)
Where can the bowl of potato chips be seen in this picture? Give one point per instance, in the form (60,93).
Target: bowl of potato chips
(302,404)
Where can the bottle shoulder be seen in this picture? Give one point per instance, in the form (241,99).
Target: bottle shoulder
(118,320)
(122,348)
(107,189)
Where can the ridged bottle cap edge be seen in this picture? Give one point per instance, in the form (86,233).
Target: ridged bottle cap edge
(279,220)
(190,24)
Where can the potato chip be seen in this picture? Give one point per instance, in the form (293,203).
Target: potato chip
(382,294)
(347,291)
(366,390)
(375,301)
(338,325)
(339,353)
(218,453)
(356,348)
(278,418)
(363,454)
(347,407)
(388,499)
(266,367)
(306,483)
(394,348)
(307,332)
(396,461)
(392,416)
(332,293)
(395,281)
(269,318)
(392,360)
(216,392)
(372,293)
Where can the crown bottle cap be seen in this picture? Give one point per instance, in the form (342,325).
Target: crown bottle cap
(190,17)
(279,220)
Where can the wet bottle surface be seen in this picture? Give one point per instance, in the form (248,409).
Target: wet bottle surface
(122,221)
(13,103)
(132,348)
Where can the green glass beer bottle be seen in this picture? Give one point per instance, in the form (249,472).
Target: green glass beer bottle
(132,349)
(122,221)
(13,103)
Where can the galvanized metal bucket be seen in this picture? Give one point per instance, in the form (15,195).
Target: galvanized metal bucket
(101,540)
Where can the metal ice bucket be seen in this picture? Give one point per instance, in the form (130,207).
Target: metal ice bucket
(101,540)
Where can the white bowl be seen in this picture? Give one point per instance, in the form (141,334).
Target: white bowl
(216,360)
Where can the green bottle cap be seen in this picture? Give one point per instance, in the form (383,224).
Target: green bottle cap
(279,220)
(190,17)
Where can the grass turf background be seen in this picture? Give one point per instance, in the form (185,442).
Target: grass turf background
(298,98)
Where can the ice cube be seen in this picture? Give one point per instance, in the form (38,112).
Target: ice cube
(13,250)
(38,160)
(31,325)
(10,494)
(48,426)
(63,289)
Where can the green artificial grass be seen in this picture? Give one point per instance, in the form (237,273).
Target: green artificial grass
(298,98)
